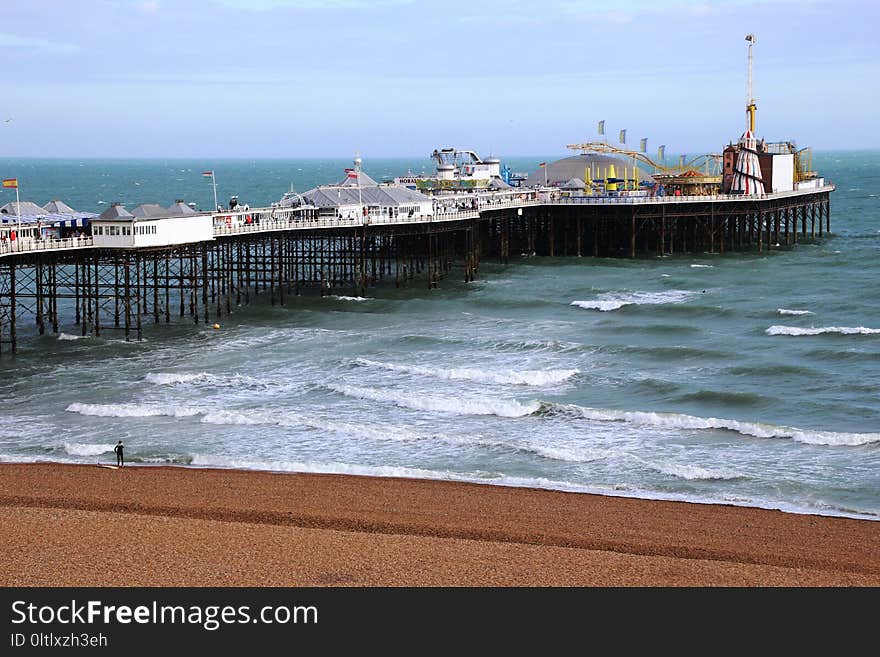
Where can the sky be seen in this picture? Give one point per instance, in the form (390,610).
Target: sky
(320,78)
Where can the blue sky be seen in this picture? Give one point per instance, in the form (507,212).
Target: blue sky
(288,78)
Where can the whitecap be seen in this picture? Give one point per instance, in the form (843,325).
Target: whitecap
(785,311)
(172,378)
(501,376)
(342,297)
(440,404)
(608,301)
(821,330)
(87,449)
(703,266)
(754,429)
(69,336)
(132,410)
(693,472)
(244,417)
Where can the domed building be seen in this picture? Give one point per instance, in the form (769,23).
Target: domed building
(562,171)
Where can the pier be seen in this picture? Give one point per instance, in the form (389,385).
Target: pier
(109,283)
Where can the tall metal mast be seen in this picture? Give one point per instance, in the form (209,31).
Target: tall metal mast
(750,100)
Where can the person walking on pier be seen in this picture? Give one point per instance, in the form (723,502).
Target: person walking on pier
(120,459)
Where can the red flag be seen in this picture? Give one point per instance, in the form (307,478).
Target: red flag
(208,174)
(543,164)
(351,173)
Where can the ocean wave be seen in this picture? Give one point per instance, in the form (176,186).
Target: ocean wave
(439,404)
(172,378)
(771,370)
(132,410)
(181,378)
(608,301)
(265,418)
(682,421)
(513,377)
(342,297)
(87,449)
(559,346)
(272,337)
(786,311)
(813,330)
(725,397)
(68,336)
(567,453)
(210,460)
(694,472)
(702,266)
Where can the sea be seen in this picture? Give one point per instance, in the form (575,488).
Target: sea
(744,378)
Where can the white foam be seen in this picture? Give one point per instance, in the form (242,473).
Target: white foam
(87,449)
(786,311)
(440,404)
(608,301)
(513,377)
(132,410)
(820,330)
(754,429)
(319,467)
(69,336)
(568,453)
(694,472)
(341,297)
(360,430)
(172,378)
(702,266)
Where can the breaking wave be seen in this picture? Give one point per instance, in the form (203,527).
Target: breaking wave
(813,330)
(132,410)
(786,311)
(171,378)
(702,266)
(258,418)
(608,301)
(753,429)
(438,404)
(513,377)
(69,336)
(181,378)
(205,460)
(342,297)
(694,472)
(86,449)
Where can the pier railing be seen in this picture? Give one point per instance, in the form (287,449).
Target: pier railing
(669,198)
(262,221)
(29,244)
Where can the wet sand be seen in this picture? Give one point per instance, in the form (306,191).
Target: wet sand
(82,525)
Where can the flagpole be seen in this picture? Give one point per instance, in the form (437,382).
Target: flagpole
(214,183)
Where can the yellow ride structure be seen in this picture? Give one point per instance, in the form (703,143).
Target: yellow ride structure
(700,174)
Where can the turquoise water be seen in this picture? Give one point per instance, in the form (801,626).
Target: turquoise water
(743,378)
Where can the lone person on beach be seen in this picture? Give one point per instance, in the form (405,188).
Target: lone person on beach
(120,460)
